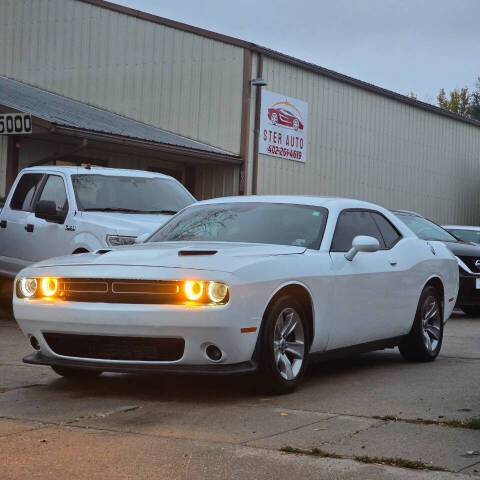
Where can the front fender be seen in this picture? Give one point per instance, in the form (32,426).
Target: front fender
(87,241)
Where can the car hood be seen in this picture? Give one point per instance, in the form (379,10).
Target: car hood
(461,249)
(126,223)
(219,256)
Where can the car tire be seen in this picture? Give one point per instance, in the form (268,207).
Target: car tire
(76,373)
(471,310)
(295,125)
(424,341)
(274,119)
(284,345)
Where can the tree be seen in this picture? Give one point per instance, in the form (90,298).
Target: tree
(463,101)
(457,101)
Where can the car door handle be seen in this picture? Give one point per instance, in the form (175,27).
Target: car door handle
(393,263)
(29,227)
(3,224)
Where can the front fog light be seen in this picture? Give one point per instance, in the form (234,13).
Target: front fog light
(217,292)
(49,286)
(27,287)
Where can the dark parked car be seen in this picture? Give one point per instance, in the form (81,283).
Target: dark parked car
(468,257)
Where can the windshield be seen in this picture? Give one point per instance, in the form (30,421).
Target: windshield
(280,224)
(466,235)
(129,194)
(425,229)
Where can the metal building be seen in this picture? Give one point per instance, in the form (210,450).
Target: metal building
(113,86)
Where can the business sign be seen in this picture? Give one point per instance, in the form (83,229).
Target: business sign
(283,127)
(15,123)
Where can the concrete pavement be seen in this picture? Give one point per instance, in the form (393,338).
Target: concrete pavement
(124,426)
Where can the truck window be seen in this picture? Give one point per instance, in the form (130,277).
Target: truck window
(24,194)
(54,191)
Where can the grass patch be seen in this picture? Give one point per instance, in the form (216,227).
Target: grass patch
(399,462)
(391,461)
(316,452)
(471,423)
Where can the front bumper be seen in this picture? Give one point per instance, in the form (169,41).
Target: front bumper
(38,358)
(198,326)
(468,294)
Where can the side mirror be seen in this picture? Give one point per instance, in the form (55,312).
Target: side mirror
(362,243)
(141,238)
(47,210)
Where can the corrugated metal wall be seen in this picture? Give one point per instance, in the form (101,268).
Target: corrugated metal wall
(3,163)
(370,147)
(165,77)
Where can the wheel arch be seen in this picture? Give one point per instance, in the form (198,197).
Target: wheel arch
(436,282)
(302,293)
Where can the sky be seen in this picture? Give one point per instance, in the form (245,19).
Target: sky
(406,46)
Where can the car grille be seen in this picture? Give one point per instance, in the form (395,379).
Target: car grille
(120,291)
(470,263)
(145,349)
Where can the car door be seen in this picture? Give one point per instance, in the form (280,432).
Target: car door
(54,238)
(15,218)
(363,286)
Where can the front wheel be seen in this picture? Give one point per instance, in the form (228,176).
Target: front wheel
(424,341)
(284,346)
(75,373)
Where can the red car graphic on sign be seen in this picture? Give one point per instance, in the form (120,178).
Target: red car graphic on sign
(282,116)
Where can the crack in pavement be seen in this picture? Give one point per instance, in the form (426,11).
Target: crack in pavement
(12,389)
(286,431)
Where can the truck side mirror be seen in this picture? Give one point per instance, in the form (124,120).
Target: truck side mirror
(47,210)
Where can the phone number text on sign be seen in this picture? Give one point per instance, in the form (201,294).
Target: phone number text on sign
(283,127)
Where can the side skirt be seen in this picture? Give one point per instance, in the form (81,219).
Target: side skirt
(355,349)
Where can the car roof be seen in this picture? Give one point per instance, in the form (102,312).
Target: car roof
(72,170)
(324,201)
(461,227)
(407,212)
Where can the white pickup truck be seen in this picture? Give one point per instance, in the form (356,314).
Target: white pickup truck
(56,210)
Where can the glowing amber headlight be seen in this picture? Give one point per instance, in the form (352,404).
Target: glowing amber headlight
(49,286)
(193,290)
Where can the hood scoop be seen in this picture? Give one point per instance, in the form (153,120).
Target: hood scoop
(191,253)
(102,251)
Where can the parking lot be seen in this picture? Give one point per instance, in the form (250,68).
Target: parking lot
(123,426)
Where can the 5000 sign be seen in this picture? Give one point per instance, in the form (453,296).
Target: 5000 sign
(15,123)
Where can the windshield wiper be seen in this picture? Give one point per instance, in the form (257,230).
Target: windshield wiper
(128,210)
(123,210)
(166,212)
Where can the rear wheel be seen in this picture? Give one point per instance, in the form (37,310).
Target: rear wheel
(75,373)
(284,346)
(424,341)
(471,310)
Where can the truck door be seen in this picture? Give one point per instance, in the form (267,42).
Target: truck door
(15,223)
(50,239)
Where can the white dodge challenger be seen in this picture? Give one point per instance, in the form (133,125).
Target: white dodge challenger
(242,284)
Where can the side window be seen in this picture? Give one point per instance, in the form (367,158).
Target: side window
(349,225)
(54,191)
(24,194)
(389,232)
